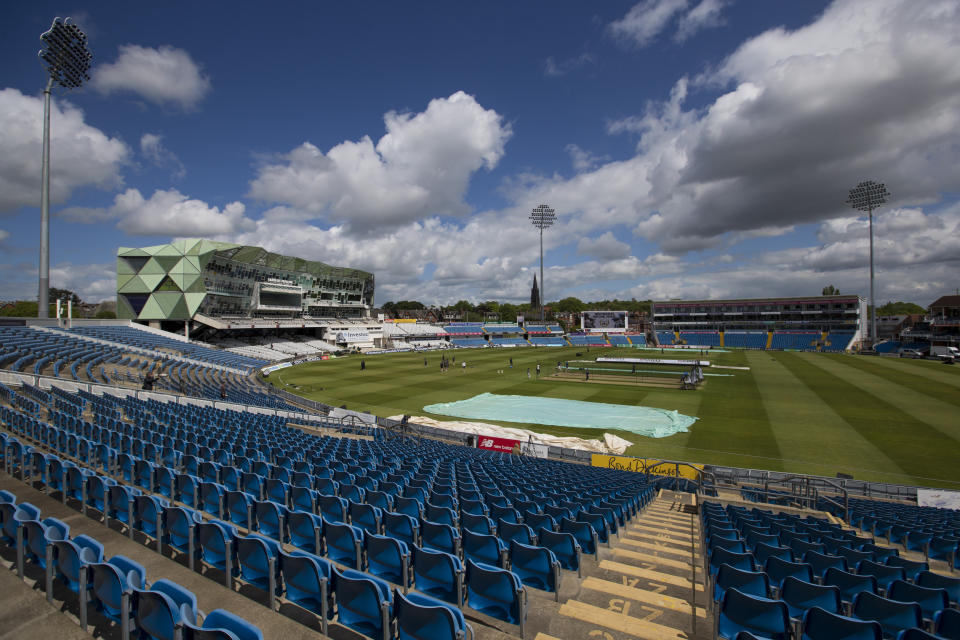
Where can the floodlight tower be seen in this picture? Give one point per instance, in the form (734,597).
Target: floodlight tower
(542,217)
(67,61)
(867,196)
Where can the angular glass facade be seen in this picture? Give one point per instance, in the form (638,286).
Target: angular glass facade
(179,280)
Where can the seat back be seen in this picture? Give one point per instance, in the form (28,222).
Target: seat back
(519,532)
(364,603)
(401,526)
(305,531)
(270,517)
(438,574)
(365,516)
(419,617)
(216,540)
(388,558)
(930,600)
(762,616)
(884,574)
(343,543)
(564,546)
(477,523)
(820,562)
(488,549)
(332,508)
(894,616)
(779,569)
(801,596)
(536,567)
(754,583)
(497,593)
(439,536)
(820,624)
(939,581)
(946,623)
(220,624)
(257,558)
(159,610)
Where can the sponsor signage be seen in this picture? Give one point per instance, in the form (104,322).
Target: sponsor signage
(938,498)
(496,444)
(647,465)
(353,336)
(274,367)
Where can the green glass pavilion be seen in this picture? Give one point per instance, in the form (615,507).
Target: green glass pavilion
(191,277)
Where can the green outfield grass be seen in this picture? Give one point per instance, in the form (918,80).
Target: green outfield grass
(880,419)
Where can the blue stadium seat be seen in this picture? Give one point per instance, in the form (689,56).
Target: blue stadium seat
(160,610)
(536,567)
(307,581)
(364,603)
(420,617)
(820,624)
(438,574)
(497,593)
(220,624)
(764,617)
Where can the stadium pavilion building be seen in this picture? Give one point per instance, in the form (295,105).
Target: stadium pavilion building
(824,323)
(209,282)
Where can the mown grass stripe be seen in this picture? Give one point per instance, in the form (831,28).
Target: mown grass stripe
(914,446)
(736,421)
(934,405)
(935,371)
(808,428)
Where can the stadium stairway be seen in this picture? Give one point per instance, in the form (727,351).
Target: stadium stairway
(648,584)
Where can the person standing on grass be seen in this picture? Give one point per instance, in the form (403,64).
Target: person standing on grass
(538,370)
(463,366)
(528,373)
(587,371)
(363,365)
(511,363)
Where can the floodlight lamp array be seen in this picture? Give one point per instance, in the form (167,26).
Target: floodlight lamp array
(65,54)
(543,216)
(868,195)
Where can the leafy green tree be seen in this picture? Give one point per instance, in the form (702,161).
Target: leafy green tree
(105,314)
(463,305)
(900,309)
(570,305)
(65,294)
(831,290)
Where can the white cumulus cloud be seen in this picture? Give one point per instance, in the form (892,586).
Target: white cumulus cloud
(83,154)
(165,75)
(165,213)
(420,167)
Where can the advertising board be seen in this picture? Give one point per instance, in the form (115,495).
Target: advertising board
(647,465)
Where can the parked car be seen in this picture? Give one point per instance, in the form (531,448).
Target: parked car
(911,353)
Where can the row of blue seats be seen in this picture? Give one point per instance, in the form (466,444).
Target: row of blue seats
(765,575)
(745,339)
(701,338)
(258,558)
(150,340)
(121,509)
(117,587)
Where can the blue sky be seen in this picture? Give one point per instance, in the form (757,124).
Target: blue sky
(691,148)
